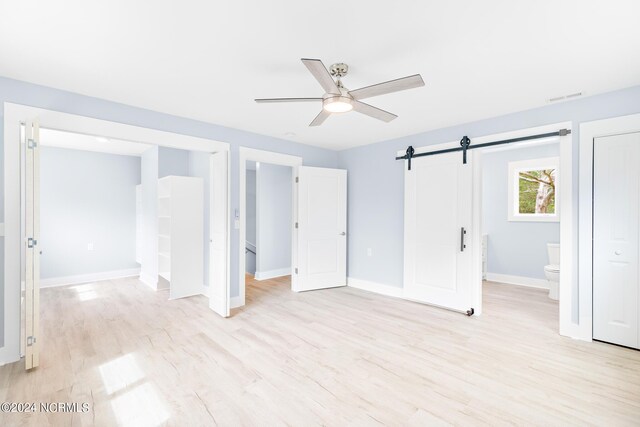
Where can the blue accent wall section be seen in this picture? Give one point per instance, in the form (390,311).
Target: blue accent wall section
(376,180)
(515,248)
(273,215)
(87,198)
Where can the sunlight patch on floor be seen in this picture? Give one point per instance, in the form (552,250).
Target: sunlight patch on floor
(120,373)
(140,407)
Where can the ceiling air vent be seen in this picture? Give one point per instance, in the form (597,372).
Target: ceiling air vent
(563,97)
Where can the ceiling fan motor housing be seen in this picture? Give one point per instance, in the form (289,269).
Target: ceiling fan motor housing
(339,69)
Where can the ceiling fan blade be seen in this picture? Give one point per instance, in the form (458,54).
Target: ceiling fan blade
(372,111)
(264,100)
(396,85)
(320,118)
(319,71)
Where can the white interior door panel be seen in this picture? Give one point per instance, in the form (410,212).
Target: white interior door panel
(438,215)
(322,228)
(616,215)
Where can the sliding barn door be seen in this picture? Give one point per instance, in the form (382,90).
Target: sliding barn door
(219,221)
(322,228)
(616,249)
(31,247)
(438,214)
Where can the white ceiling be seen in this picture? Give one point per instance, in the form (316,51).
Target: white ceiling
(208,60)
(77,141)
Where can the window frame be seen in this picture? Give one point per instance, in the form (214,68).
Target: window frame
(513,188)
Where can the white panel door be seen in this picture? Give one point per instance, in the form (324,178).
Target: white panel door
(438,214)
(219,292)
(322,228)
(32,247)
(616,214)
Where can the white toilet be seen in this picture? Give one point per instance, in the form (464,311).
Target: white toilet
(552,271)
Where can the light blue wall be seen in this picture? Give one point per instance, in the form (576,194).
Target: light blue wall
(250,260)
(514,248)
(273,214)
(18,92)
(376,189)
(172,161)
(87,198)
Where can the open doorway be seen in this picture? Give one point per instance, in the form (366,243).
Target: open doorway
(269,208)
(521,231)
(93,208)
(318,223)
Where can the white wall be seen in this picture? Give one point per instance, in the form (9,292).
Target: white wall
(149,268)
(87,198)
(514,248)
(199,165)
(273,217)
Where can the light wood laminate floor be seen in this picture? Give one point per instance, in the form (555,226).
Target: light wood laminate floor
(333,357)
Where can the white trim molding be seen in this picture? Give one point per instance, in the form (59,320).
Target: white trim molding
(272,274)
(529,282)
(377,288)
(90,277)
(588,132)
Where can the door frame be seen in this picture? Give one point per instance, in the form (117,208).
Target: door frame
(14,115)
(588,132)
(567,250)
(251,154)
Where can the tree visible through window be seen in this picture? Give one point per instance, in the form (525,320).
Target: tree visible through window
(537,191)
(533,191)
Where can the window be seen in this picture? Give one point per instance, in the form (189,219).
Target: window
(533,190)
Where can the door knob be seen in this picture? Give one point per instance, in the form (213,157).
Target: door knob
(343,234)
(618,252)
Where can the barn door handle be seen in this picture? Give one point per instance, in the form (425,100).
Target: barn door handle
(462,233)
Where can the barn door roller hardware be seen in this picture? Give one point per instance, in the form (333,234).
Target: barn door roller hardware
(465,145)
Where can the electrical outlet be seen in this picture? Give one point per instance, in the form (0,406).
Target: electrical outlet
(369,252)
(90,247)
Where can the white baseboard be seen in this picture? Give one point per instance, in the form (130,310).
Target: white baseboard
(518,280)
(150,281)
(236,302)
(271,274)
(84,278)
(378,288)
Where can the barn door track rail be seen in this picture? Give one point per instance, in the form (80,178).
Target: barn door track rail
(465,145)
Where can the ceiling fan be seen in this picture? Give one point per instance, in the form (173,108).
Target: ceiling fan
(338,99)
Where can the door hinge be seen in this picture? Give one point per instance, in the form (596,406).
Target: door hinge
(296,270)
(31,340)
(297,179)
(296,225)
(31,143)
(31,242)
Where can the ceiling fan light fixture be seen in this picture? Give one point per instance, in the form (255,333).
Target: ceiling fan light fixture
(337,104)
